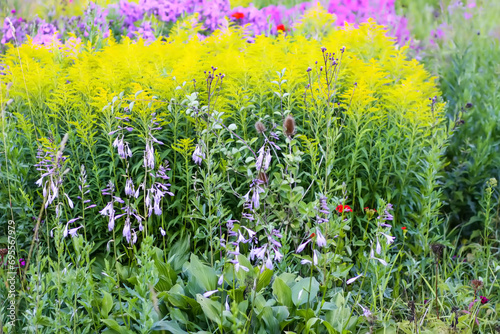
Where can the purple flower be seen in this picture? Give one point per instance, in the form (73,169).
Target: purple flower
(320,239)
(209,293)
(124,150)
(390,239)
(352,280)
(198,155)
(126,230)
(324,206)
(366,312)
(162,231)
(238,266)
(73,231)
(149,156)
(303,245)
(372,256)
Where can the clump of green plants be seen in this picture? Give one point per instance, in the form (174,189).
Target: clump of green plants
(216,185)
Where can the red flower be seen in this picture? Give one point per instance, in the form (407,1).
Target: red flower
(367,208)
(281,27)
(403,228)
(484,300)
(341,208)
(312,235)
(238,15)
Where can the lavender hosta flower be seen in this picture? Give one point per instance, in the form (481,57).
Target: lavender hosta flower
(277,255)
(149,156)
(259,252)
(221,280)
(134,237)
(378,249)
(320,239)
(315,257)
(73,231)
(109,211)
(384,225)
(324,206)
(122,146)
(304,261)
(366,312)
(389,239)
(263,159)
(130,189)
(238,266)
(372,256)
(209,293)
(352,280)
(198,155)
(269,264)
(256,190)
(109,190)
(126,230)
(251,233)
(162,231)
(303,245)
(387,216)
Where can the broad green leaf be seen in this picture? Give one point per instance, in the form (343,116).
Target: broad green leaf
(107,304)
(306,289)
(282,292)
(170,326)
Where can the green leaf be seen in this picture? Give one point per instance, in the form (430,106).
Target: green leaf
(111,323)
(205,276)
(282,292)
(107,304)
(301,292)
(211,308)
(264,279)
(170,326)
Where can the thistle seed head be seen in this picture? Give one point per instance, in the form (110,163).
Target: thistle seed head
(289,126)
(260,127)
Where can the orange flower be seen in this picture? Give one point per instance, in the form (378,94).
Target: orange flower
(281,27)
(238,15)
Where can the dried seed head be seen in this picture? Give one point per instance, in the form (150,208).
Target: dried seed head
(437,249)
(263,177)
(260,127)
(289,125)
(476,284)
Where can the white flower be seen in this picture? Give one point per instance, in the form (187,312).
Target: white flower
(162,231)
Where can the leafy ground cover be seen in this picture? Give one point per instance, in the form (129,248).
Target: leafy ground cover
(318,174)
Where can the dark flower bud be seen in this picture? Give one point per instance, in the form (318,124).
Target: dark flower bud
(309,69)
(469,105)
(323,49)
